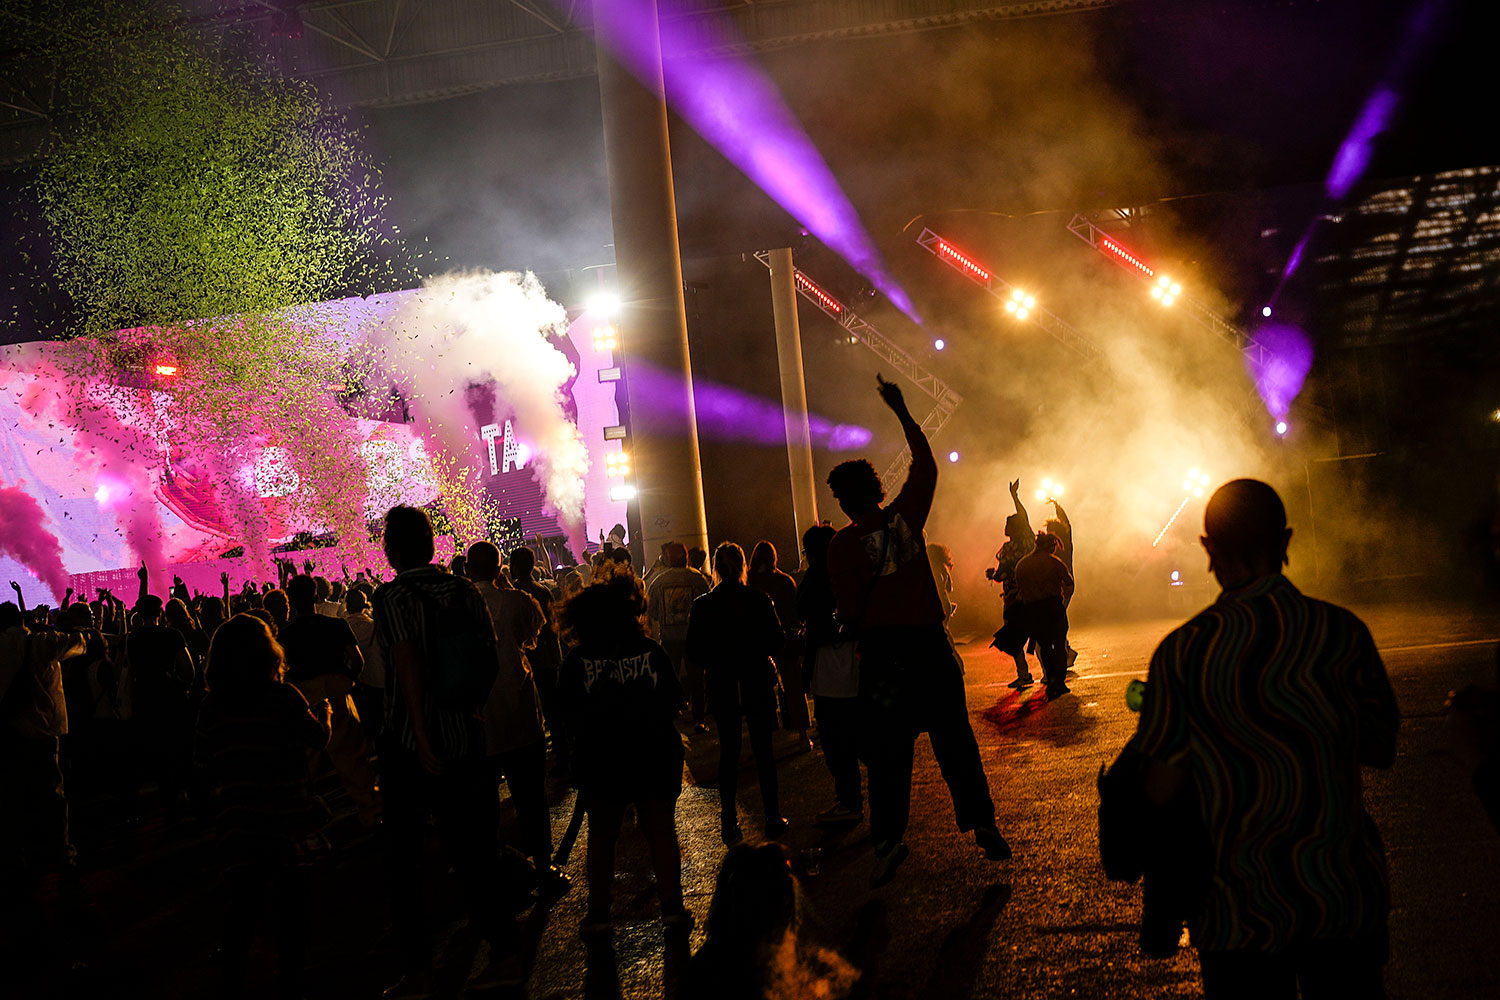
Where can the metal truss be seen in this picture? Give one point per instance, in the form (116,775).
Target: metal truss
(1060,329)
(944,398)
(1235,336)
(1251,410)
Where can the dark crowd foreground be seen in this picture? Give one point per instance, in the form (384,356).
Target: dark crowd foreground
(382,781)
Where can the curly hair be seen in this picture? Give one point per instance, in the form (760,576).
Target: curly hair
(607,612)
(856,484)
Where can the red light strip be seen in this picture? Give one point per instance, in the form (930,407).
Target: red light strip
(963,262)
(1111,246)
(828,301)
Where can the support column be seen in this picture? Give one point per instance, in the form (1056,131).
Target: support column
(793,390)
(663,440)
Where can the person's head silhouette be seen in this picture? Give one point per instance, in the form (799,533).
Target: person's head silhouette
(1245,532)
(856,486)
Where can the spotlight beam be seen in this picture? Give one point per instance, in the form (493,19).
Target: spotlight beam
(1061,330)
(887,350)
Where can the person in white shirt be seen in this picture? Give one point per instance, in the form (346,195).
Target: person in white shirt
(514,739)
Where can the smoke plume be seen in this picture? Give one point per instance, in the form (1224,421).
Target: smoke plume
(25,538)
(486,334)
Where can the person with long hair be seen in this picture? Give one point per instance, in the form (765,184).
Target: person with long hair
(733,632)
(254,733)
(621,695)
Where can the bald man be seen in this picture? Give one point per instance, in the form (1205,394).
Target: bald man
(1267,704)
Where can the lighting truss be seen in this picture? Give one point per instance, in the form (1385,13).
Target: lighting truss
(945,400)
(1061,330)
(1114,251)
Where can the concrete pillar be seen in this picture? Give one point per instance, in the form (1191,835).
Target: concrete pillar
(793,390)
(663,440)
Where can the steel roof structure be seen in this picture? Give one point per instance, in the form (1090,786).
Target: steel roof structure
(382,53)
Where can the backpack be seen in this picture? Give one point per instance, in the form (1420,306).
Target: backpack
(462,661)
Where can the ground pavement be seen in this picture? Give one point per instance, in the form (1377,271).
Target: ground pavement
(952,924)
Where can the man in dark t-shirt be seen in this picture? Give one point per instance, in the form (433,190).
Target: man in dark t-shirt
(323,661)
(910,678)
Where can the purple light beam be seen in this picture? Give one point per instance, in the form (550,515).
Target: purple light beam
(1281,368)
(727,414)
(733,104)
(1375,118)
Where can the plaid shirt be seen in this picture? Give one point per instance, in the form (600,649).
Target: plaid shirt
(400,614)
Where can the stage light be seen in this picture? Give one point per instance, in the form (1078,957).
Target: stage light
(1046,484)
(827,301)
(1125,255)
(622,494)
(938,345)
(953,456)
(102,493)
(1041,496)
(963,262)
(605,304)
(1057,489)
(1166,291)
(605,338)
(1282,428)
(166,369)
(1187,484)
(617,463)
(1203,478)
(1197,491)
(1265,311)
(1176,576)
(1170,521)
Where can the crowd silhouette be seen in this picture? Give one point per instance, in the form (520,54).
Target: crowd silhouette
(427,688)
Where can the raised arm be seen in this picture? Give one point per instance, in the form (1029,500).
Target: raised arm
(921,480)
(20,598)
(1062,515)
(142,575)
(1015,496)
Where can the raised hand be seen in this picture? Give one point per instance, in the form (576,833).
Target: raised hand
(890,392)
(141,573)
(16,587)
(307,566)
(1015,487)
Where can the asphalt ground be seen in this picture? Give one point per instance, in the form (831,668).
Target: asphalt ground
(952,924)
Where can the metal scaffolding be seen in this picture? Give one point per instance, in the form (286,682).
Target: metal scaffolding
(945,400)
(1060,329)
(1112,250)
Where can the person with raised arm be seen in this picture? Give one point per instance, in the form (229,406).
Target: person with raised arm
(911,680)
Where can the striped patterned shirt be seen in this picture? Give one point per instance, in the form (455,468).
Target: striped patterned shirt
(401,614)
(1271,701)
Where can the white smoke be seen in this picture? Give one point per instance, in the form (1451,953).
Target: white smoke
(489,330)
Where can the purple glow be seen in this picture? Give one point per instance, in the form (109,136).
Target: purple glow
(1354,154)
(734,105)
(727,414)
(1286,357)
(1295,260)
